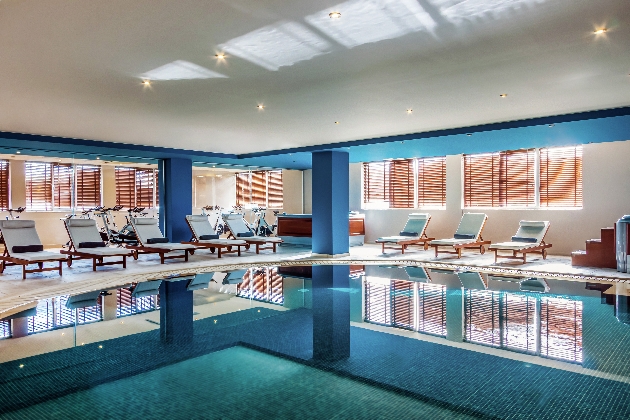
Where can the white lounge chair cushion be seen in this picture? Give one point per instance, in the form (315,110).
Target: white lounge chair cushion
(39,256)
(21,233)
(452,241)
(105,251)
(82,230)
(416,222)
(229,242)
(146,228)
(527,229)
(237,225)
(471,224)
(171,246)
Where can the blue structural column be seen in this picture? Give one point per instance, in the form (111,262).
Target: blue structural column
(175,188)
(331,312)
(331,203)
(176,312)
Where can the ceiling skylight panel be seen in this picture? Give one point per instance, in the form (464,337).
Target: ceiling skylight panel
(366,21)
(278,45)
(457,11)
(180,70)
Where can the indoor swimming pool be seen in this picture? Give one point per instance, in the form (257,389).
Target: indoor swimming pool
(324,341)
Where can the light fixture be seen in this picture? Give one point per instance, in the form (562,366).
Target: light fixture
(261,107)
(600,31)
(503,95)
(220,56)
(146,83)
(409,111)
(336,122)
(334,15)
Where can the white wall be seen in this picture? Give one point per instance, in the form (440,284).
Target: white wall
(605,167)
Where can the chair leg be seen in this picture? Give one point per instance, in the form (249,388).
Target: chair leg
(219,248)
(403,249)
(239,250)
(459,252)
(436,251)
(60,268)
(161,258)
(274,246)
(24,272)
(93,264)
(186,255)
(257,248)
(124,264)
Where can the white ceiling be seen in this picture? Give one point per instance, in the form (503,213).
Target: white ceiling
(74,68)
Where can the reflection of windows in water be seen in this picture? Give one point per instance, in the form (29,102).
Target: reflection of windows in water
(131,305)
(541,325)
(263,284)
(405,304)
(52,313)
(5,329)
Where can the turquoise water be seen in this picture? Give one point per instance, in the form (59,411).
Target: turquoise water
(235,383)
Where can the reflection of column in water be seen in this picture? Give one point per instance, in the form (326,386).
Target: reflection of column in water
(331,312)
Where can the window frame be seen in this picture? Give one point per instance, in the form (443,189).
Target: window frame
(262,192)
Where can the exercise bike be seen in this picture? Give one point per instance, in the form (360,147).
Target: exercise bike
(18,210)
(214,217)
(260,226)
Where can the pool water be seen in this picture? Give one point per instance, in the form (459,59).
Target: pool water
(327,342)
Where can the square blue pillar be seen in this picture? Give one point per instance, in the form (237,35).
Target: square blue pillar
(331,203)
(175,188)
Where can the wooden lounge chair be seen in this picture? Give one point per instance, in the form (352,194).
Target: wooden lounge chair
(414,233)
(22,246)
(204,236)
(468,235)
(239,230)
(86,243)
(151,241)
(530,237)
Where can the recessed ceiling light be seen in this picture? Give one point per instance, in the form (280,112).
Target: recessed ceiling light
(220,56)
(336,122)
(503,95)
(146,82)
(409,111)
(260,106)
(334,15)
(600,31)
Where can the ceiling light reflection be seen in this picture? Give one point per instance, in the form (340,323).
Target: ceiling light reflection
(180,70)
(368,21)
(278,45)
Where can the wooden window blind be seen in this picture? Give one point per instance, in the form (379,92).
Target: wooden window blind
(88,186)
(402,295)
(561,329)
(519,322)
(401,184)
(501,179)
(481,312)
(145,185)
(260,188)
(432,182)
(62,186)
(4,185)
(432,309)
(125,187)
(38,186)
(561,177)
(274,190)
(375,182)
(377,302)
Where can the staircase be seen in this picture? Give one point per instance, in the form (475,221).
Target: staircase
(599,252)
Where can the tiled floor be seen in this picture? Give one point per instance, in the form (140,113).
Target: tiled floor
(15,292)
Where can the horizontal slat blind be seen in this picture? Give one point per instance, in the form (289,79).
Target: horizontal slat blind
(401,184)
(145,183)
(38,186)
(125,186)
(4,185)
(481,309)
(63,177)
(375,182)
(259,188)
(243,188)
(88,186)
(274,190)
(502,179)
(432,182)
(377,303)
(561,177)
(519,322)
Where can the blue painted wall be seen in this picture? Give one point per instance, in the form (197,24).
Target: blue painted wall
(175,188)
(331,203)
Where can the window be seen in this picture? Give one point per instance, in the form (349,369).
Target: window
(502,179)
(136,187)
(61,186)
(263,284)
(405,183)
(561,177)
(4,185)
(260,188)
(88,186)
(509,178)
